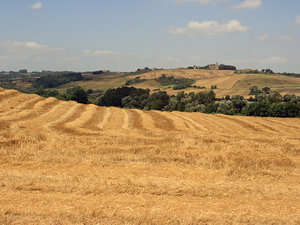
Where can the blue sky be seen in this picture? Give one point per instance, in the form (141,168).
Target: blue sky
(120,35)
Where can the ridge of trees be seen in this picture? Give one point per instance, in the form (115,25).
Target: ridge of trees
(55,80)
(265,103)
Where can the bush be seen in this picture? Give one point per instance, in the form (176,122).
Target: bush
(136,80)
(274,97)
(77,94)
(179,87)
(90,91)
(285,110)
(168,80)
(211,108)
(113,97)
(226,107)
(254,90)
(158,100)
(258,109)
(206,97)
(238,103)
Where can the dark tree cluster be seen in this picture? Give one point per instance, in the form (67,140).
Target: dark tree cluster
(52,81)
(226,67)
(136,80)
(114,97)
(180,83)
(269,71)
(98,72)
(77,94)
(291,74)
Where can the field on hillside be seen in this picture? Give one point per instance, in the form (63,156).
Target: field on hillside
(68,163)
(98,82)
(228,82)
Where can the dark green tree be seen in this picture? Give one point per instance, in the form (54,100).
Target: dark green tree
(254,90)
(274,97)
(258,109)
(266,90)
(77,94)
(206,97)
(158,100)
(238,103)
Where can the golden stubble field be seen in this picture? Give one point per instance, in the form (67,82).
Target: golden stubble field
(67,163)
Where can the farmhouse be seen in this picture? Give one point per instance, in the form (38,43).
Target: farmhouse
(214,66)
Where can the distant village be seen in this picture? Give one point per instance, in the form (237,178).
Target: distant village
(216,66)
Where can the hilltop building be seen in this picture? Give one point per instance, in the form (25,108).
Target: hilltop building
(214,66)
(23,71)
(218,66)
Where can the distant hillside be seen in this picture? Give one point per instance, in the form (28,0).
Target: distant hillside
(226,82)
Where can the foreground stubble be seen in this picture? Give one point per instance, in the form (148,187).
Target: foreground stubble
(65,163)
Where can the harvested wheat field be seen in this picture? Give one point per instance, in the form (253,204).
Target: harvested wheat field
(67,163)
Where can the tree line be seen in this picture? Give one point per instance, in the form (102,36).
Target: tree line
(265,103)
(55,80)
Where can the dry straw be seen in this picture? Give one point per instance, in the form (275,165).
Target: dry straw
(66,163)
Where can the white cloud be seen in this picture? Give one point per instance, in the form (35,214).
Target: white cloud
(19,46)
(286,38)
(196,1)
(209,28)
(99,52)
(34,45)
(297,21)
(264,37)
(202,2)
(37,6)
(248,4)
(274,60)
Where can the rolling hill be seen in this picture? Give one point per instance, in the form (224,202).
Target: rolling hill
(68,163)
(228,82)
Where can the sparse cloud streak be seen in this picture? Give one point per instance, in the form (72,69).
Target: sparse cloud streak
(201,2)
(248,4)
(286,38)
(99,53)
(273,60)
(20,47)
(36,6)
(297,21)
(209,28)
(264,37)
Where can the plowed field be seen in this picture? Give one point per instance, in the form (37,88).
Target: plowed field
(67,163)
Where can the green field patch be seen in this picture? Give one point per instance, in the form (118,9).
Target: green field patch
(267,80)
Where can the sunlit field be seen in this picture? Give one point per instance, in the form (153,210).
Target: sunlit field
(228,83)
(68,163)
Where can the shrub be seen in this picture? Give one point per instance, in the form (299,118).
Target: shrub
(258,109)
(285,110)
(77,94)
